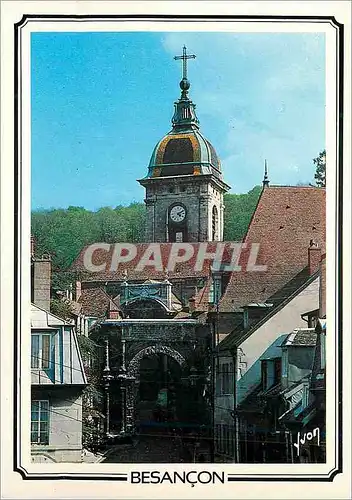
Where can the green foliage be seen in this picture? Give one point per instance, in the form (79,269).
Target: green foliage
(238,212)
(61,308)
(63,233)
(320,169)
(92,394)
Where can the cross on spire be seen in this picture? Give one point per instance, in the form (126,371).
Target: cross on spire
(184,58)
(266,178)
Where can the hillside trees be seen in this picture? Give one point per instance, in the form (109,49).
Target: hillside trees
(238,212)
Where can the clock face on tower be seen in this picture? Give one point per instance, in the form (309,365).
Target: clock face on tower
(177,213)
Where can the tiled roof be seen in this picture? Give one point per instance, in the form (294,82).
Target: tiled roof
(201,298)
(284,222)
(96,302)
(183,315)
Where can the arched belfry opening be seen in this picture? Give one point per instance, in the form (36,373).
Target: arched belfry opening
(215,224)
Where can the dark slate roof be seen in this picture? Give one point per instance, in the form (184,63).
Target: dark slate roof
(293,385)
(301,337)
(253,402)
(317,382)
(274,391)
(289,416)
(294,415)
(284,222)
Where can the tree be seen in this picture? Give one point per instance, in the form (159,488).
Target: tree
(61,308)
(238,212)
(320,164)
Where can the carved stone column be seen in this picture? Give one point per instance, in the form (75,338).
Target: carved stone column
(132,387)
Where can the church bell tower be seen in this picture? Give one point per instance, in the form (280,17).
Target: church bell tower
(184,185)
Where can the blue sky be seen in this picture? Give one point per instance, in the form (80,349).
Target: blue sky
(101,101)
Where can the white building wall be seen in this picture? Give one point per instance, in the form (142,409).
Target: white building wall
(62,386)
(223,406)
(263,343)
(266,340)
(65,428)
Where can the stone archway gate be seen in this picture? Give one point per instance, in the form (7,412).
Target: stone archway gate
(132,376)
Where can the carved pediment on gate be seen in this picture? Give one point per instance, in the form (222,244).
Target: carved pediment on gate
(168,332)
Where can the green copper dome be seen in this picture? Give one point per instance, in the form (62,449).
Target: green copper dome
(184,150)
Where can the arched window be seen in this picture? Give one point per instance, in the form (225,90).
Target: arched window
(215,224)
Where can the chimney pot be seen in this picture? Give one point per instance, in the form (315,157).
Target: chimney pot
(78,290)
(41,282)
(314,257)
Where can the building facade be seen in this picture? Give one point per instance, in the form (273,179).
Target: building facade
(57,376)
(263,372)
(57,383)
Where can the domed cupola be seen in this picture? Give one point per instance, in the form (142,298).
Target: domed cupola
(184,188)
(184,150)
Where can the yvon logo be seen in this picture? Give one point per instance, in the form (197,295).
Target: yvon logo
(191,477)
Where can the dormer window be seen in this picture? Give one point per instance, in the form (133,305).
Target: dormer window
(41,349)
(264,375)
(271,372)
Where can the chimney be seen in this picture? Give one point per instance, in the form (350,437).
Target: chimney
(41,281)
(322,290)
(113,311)
(78,290)
(314,256)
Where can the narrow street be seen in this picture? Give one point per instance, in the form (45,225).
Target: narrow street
(148,449)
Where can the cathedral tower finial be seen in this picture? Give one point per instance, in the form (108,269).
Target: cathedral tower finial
(185,116)
(184,83)
(266,178)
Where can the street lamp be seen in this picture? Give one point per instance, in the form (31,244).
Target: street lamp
(107,377)
(124,379)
